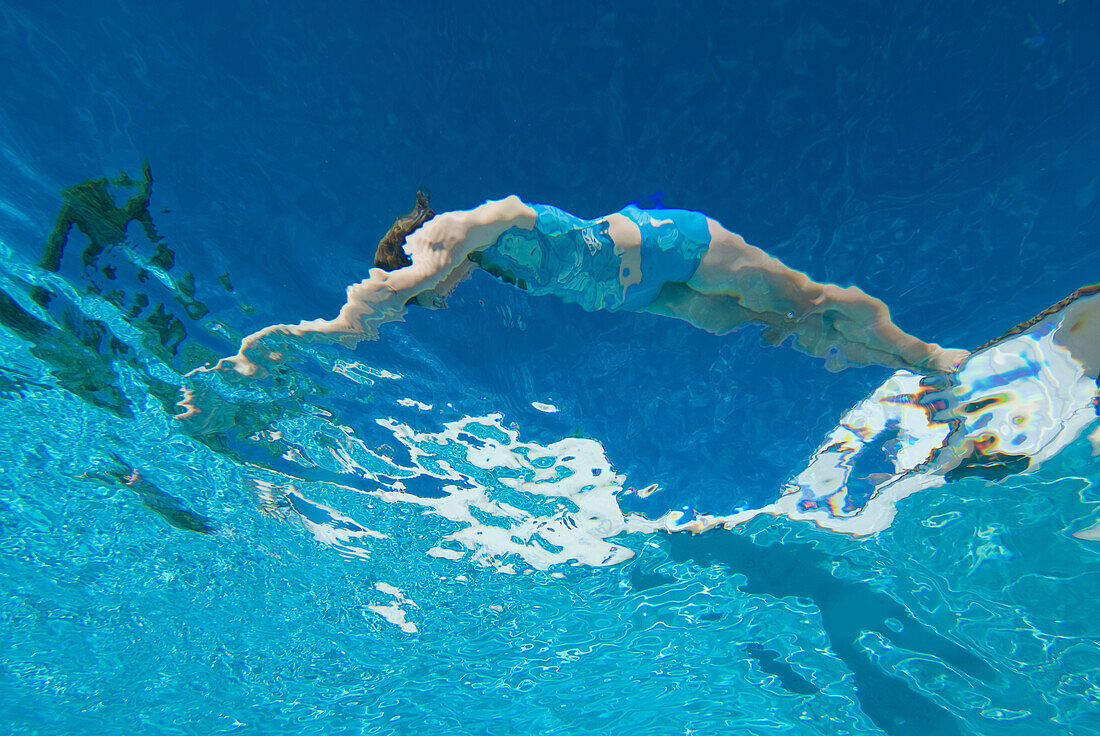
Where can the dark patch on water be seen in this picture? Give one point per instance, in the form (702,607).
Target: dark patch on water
(993,466)
(76,364)
(847,610)
(90,207)
(770,662)
(642,580)
(872,461)
(168,507)
(424,486)
(471,440)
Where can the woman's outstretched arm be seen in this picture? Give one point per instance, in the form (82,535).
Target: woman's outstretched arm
(438,251)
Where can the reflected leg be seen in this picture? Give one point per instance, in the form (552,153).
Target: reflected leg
(721,314)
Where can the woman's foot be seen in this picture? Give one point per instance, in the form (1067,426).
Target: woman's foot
(945,360)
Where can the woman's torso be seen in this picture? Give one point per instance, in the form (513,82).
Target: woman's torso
(578,261)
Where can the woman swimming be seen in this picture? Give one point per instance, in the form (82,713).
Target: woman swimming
(675,263)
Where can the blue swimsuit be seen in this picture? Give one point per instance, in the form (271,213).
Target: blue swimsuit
(574,259)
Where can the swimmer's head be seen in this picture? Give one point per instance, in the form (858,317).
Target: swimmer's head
(390,255)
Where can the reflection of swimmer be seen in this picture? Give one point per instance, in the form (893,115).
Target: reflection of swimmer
(849,611)
(1015,403)
(671,262)
(165,505)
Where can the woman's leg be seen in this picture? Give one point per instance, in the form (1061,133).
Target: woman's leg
(839,324)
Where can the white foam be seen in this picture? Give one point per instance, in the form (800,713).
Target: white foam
(414,404)
(393,612)
(565,495)
(445,553)
(1092,533)
(361,373)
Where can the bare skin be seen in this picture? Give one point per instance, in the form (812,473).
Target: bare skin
(734,284)
(738,283)
(438,251)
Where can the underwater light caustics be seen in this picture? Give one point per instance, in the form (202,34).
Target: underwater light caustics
(1013,404)
(545,505)
(519,505)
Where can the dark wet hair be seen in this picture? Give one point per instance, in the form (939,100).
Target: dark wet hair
(390,256)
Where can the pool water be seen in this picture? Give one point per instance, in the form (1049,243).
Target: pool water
(491,519)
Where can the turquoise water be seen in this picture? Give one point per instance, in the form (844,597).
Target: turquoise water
(454,528)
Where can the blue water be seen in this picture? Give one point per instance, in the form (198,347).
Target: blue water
(944,156)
